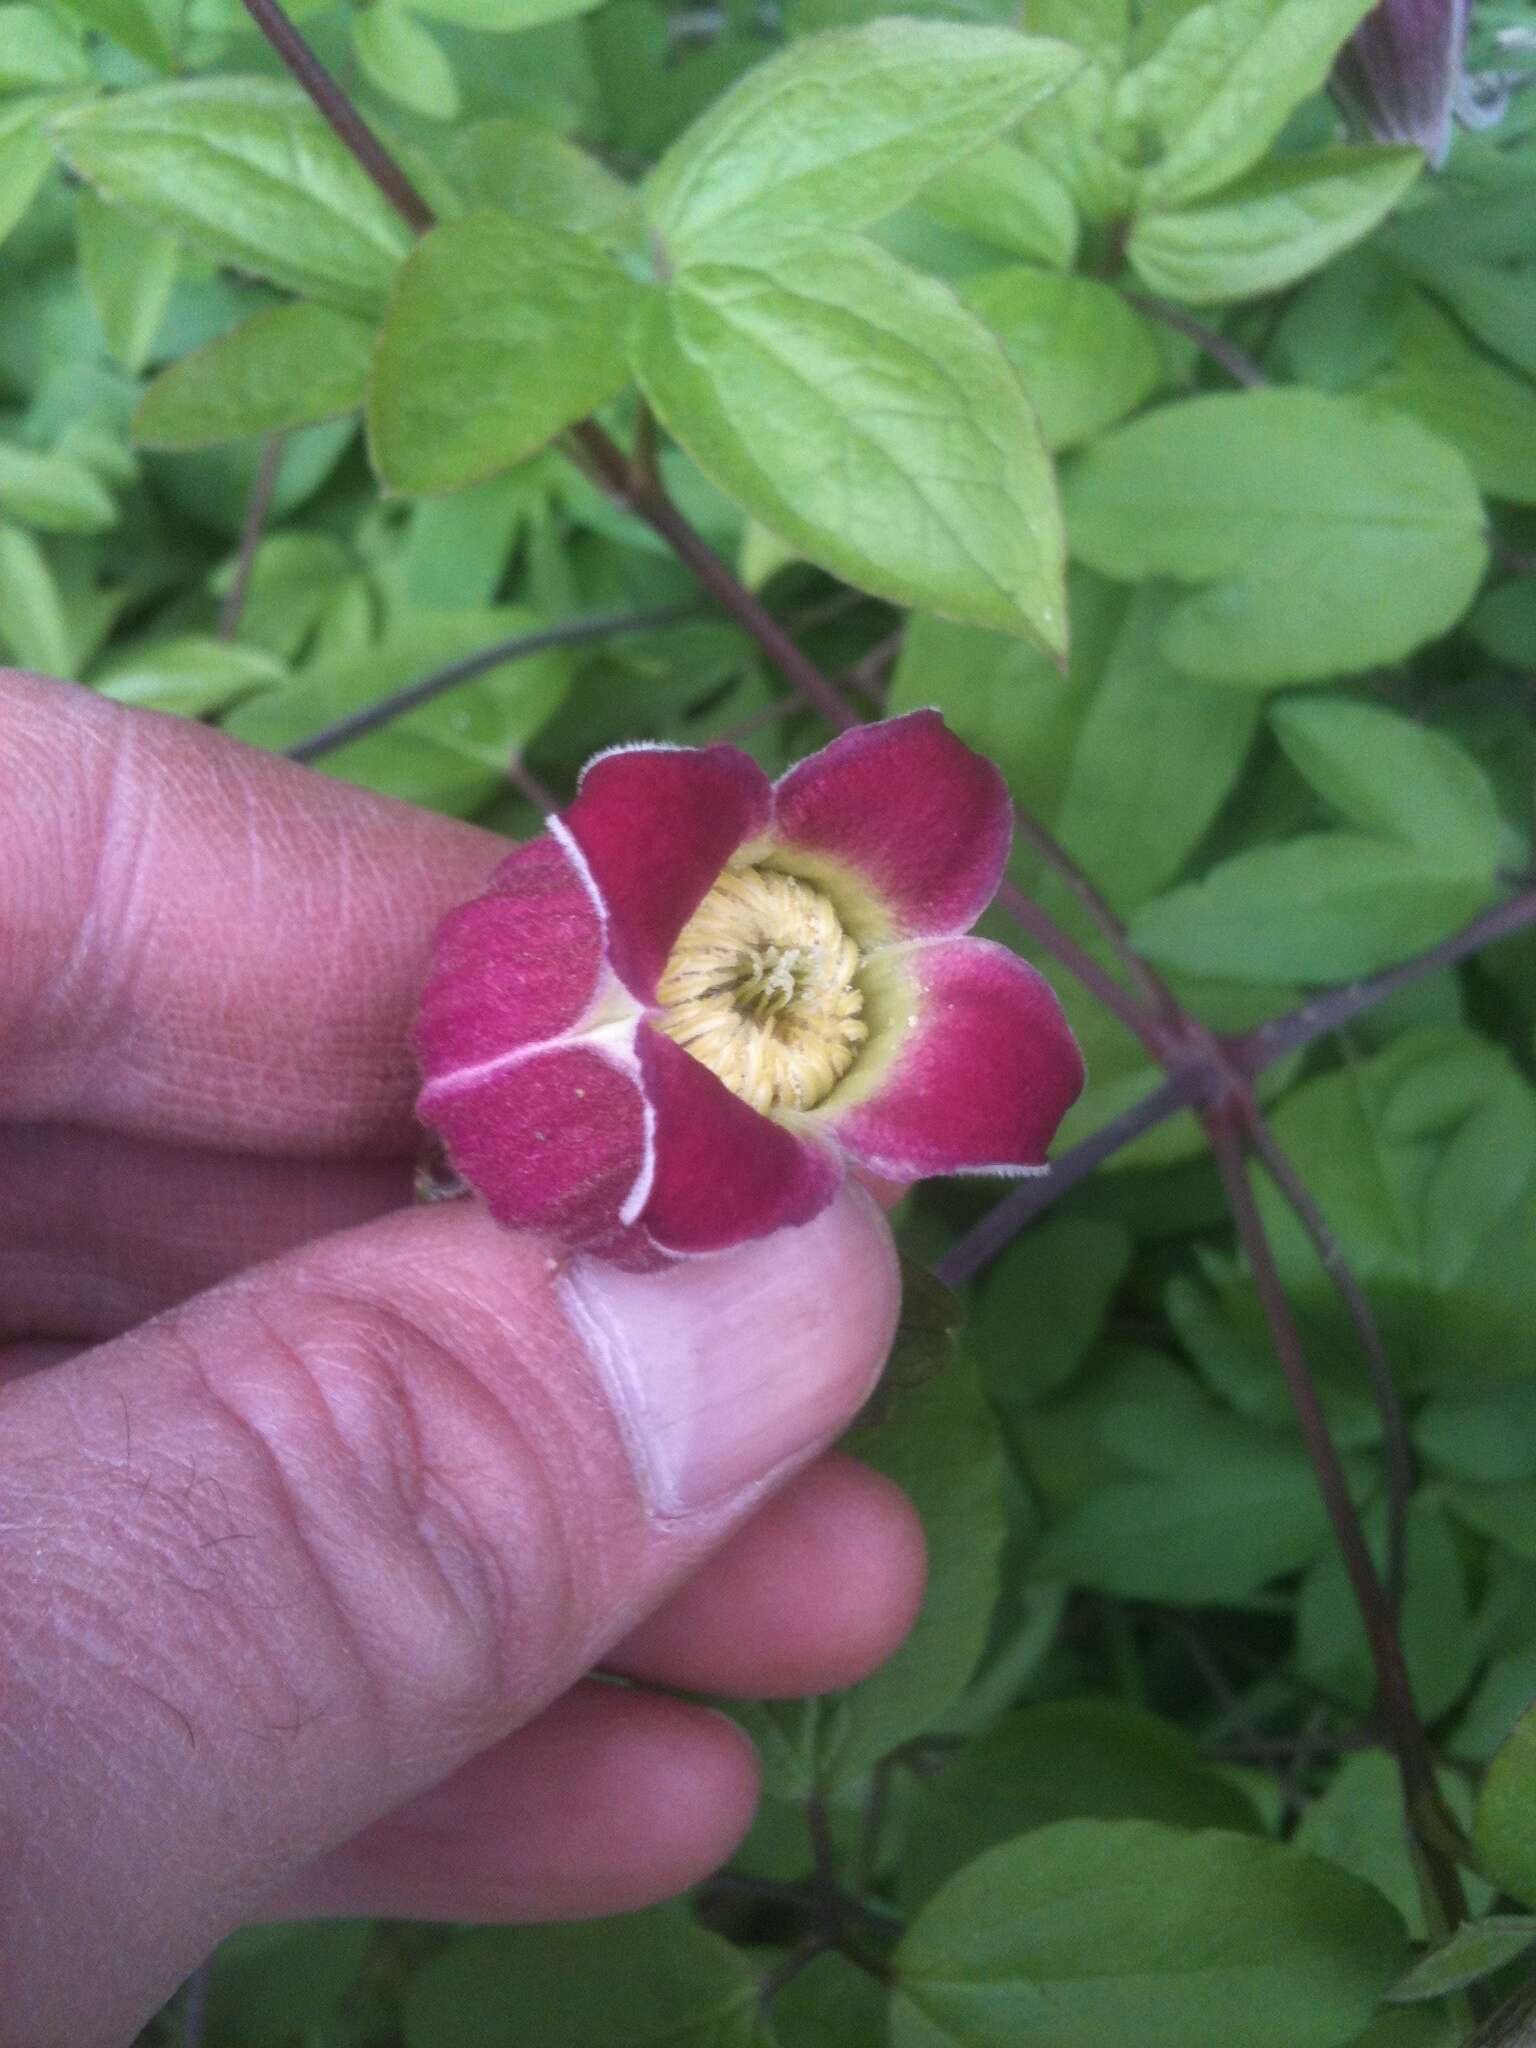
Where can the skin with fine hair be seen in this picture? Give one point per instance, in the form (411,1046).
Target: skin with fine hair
(319,1509)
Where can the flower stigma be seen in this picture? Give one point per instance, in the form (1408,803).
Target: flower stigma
(763,988)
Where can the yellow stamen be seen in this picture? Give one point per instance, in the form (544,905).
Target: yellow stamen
(763,987)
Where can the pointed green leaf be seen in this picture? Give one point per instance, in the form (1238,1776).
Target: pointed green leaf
(1212,99)
(1320,908)
(1505,1826)
(1467,398)
(53,492)
(1288,505)
(843,128)
(35,51)
(247,171)
(34,625)
(129,271)
(1279,224)
(1389,774)
(284,368)
(405,60)
(1006,197)
(500,333)
(862,415)
(25,158)
(1474,1951)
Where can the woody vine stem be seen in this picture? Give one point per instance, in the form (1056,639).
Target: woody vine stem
(1209,1073)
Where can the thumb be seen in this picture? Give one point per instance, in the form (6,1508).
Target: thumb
(289,1554)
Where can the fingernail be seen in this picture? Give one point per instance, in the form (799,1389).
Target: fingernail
(723,1371)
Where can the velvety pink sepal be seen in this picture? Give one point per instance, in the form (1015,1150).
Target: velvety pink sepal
(554,1141)
(922,818)
(723,1173)
(519,964)
(985,1074)
(655,826)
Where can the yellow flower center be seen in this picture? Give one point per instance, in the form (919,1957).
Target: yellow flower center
(763,987)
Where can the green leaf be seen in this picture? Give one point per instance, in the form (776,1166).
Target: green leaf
(1358,1825)
(194,675)
(129,271)
(53,492)
(843,128)
(527,169)
(269,1982)
(862,415)
(1007,198)
(1466,398)
(1475,1950)
(938,1442)
(1068,1760)
(504,17)
(1042,1303)
(1099,1931)
(1131,831)
(35,51)
(449,754)
(247,171)
(287,367)
(1440,1644)
(1084,356)
(1278,224)
(292,578)
(649,1980)
(25,158)
(1390,774)
(1002,695)
(34,625)
(1316,909)
(1224,1507)
(500,333)
(1504,623)
(1208,104)
(832,2003)
(133,23)
(1506,1815)
(405,60)
(1288,505)
(1481,1432)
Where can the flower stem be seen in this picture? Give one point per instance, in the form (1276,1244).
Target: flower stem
(1394,1692)
(569,633)
(338,109)
(257,506)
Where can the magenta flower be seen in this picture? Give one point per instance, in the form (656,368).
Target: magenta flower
(671,1023)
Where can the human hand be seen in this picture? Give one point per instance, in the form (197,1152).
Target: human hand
(316,1509)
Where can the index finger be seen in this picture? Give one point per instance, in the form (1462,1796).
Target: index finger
(203,942)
